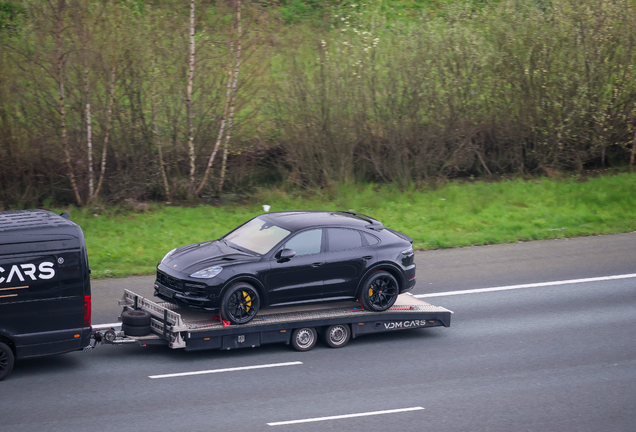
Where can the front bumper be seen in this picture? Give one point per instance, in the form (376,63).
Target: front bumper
(165,293)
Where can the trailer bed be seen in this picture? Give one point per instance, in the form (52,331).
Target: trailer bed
(194,330)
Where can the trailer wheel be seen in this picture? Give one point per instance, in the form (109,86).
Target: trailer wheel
(240,303)
(337,336)
(6,360)
(130,330)
(380,291)
(136,318)
(304,339)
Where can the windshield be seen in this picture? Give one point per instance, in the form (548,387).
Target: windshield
(257,236)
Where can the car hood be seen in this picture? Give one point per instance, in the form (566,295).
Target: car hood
(192,258)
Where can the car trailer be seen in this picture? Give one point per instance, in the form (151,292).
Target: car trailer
(300,326)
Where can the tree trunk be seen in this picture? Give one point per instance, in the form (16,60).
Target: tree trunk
(234,81)
(155,128)
(631,157)
(189,97)
(59,64)
(109,118)
(228,95)
(89,132)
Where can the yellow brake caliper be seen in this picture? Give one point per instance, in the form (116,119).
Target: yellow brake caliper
(248,299)
(371,291)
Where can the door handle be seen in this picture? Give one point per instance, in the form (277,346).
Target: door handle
(318,264)
(368,257)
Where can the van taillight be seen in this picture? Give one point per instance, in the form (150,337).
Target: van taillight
(87,311)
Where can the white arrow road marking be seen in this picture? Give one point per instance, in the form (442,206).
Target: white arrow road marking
(372,413)
(211,371)
(532,285)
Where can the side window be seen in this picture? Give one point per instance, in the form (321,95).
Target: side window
(343,239)
(371,239)
(306,243)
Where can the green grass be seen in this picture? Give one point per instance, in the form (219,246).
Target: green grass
(457,214)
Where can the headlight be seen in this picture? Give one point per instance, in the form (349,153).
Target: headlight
(168,254)
(207,273)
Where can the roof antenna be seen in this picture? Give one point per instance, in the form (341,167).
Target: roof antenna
(65,215)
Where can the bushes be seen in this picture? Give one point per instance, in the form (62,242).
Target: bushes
(389,92)
(516,86)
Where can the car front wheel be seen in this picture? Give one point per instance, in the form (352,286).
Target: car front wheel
(380,291)
(240,303)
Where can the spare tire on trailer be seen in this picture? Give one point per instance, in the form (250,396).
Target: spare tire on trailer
(130,330)
(136,318)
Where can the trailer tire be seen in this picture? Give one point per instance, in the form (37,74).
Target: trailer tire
(240,303)
(137,318)
(7,360)
(379,291)
(304,339)
(337,336)
(130,330)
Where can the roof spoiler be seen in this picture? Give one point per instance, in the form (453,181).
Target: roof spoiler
(374,224)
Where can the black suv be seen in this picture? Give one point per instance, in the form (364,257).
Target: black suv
(289,258)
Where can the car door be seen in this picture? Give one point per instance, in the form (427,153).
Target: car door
(346,260)
(300,277)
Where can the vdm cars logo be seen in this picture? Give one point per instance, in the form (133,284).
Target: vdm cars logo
(44,270)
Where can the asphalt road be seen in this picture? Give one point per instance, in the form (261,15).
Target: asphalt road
(555,357)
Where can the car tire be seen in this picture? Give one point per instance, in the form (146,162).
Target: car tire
(337,336)
(304,339)
(379,291)
(240,303)
(130,330)
(136,318)
(7,359)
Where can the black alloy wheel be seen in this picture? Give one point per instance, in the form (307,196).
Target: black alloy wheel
(6,360)
(240,304)
(380,291)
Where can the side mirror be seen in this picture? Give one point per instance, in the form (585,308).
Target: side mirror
(285,254)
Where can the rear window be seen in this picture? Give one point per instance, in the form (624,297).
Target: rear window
(343,239)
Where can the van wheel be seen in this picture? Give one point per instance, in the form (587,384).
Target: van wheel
(135,317)
(130,330)
(337,336)
(304,339)
(6,360)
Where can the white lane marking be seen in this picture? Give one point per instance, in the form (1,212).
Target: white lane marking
(226,370)
(532,285)
(317,419)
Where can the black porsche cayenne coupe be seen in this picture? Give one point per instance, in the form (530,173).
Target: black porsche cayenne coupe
(286,258)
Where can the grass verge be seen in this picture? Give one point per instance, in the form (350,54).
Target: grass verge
(124,243)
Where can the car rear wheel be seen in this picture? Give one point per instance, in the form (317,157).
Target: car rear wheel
(337,336)
(380,291)
(304,339)
(240,303)
(6,360)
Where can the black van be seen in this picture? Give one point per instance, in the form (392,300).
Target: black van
(45,292)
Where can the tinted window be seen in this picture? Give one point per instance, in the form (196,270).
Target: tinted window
(371,239)
(306,243)
(342,239)
(257,235)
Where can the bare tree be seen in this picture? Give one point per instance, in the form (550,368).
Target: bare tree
(59,12)
(234,81)
(228,96)
(189,95)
